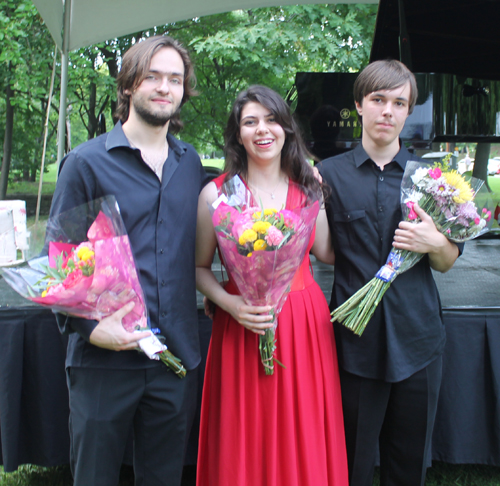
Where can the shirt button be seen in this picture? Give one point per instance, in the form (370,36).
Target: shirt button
(160,221)
(163,283)
(348,216)
(161,251)
(163,314)
(380,209)
(381,178)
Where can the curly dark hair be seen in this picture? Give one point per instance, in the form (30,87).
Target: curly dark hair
(294,154)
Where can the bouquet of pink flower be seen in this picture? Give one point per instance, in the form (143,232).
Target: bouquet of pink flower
(262,249)
(451,200)
(91,279)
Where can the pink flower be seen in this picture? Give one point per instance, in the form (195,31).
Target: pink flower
(243,222)
(290,218)
(477,220)
(274,236)
(435,173)
(55,289)
(487,213)
(412,214)
(224,212)
(73,279)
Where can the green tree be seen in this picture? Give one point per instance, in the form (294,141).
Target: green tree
(25,68)
(230,51)
(267,46)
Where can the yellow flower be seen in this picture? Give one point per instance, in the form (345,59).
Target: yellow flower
(248,235)
(44,293)
(84,253)
(256,215)
(88,255)
(261,227)
(249,255)
(259,245)
(454,179)
(269,212)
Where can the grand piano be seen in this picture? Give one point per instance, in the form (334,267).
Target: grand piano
(452,47)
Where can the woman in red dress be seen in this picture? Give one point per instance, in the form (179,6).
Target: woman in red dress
(284,429)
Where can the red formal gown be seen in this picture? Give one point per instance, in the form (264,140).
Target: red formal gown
(284,429)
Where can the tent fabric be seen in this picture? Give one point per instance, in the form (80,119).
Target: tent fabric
(93,21)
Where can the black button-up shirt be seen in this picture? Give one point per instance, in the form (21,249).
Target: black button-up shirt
(160,219)
(406,331)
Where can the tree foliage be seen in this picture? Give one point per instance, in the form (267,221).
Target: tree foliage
(230,51)
(266,46)
(25,72)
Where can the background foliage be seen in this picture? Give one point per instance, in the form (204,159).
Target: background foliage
(230,51)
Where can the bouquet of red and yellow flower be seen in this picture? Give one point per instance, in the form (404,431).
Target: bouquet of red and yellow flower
(262,249)
(457,205)
(92,278)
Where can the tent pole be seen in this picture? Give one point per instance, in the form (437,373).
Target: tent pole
(61,131)
(46,130)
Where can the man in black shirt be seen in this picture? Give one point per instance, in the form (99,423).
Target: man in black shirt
(390,375)
(156,180)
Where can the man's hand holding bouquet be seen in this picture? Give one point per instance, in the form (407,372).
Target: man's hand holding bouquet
(92,274)
(262,249)
(458,207)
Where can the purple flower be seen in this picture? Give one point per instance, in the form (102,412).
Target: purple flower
(467,210)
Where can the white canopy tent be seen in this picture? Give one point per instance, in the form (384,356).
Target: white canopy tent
(78,23)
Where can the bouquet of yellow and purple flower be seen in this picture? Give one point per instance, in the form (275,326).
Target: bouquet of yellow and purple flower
(262,249)
(91,278)
(451,200)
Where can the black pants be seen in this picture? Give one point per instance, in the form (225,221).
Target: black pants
(106,404)
(397,417)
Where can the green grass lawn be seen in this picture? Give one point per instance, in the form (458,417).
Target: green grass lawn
(440,474)
(50,177)
(494,183)
(48,183)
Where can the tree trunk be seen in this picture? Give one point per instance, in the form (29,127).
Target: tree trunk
(92,119)
(7,144)
(112,61)
(481,162)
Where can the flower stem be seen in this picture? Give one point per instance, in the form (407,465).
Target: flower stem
(173,363)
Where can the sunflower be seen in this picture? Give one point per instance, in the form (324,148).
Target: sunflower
(454,179)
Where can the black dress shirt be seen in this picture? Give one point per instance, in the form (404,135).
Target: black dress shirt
(406,332)
(160,219)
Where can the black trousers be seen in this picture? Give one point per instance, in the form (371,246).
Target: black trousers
(105,405)
(398,418)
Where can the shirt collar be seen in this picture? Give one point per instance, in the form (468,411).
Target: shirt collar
(360,155)
(117,138)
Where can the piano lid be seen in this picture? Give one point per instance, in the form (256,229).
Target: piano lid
(457,37)
(453,48)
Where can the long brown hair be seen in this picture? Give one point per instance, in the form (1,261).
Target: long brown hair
(294,154)
(135,66)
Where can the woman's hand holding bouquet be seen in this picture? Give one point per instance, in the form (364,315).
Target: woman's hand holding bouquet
(262,250)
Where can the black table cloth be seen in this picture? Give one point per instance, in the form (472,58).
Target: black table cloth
(467,427)
(34,402)
(33,395)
